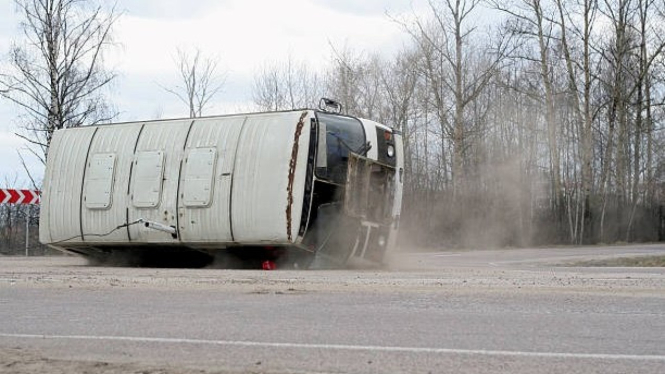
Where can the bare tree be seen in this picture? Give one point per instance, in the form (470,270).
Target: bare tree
(344,78)
(547,53)
(200,80)
(287,85)
(581,98)
(268,91)
(453,65)
(56,71)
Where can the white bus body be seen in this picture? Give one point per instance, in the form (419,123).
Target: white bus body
(280,186)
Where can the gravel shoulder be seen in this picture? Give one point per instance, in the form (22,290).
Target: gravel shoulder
(22,361)
(70,272)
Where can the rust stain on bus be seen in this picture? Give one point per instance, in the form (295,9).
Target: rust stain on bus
(292,172)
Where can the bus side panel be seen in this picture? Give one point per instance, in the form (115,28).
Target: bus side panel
(268,186)
(200,221)
(153,192)
(61,200)
(118,143)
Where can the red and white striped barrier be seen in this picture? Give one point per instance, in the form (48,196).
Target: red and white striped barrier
(10,196)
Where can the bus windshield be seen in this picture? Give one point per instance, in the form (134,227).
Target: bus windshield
(338,135)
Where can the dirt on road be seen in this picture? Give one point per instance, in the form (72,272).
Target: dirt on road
(445,273)
(22,361)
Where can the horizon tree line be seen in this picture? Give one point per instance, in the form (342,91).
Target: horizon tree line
(544,128)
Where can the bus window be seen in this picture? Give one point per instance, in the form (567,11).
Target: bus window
(342,136)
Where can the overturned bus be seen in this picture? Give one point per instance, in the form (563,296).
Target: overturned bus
(302,188)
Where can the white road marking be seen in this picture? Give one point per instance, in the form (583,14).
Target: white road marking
(345,347)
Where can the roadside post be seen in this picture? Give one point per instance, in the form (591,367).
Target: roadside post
(27,197)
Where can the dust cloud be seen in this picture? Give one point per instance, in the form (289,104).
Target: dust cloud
(498,205)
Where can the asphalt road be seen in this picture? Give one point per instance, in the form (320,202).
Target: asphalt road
(513,311)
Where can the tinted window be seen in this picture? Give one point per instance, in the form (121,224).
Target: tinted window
(343,135)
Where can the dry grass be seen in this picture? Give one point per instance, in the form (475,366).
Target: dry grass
(642,261)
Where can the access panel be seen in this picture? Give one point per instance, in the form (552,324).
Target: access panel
(99,181)
(199,175)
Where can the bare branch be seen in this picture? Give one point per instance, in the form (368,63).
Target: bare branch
(200,80)
(57,76)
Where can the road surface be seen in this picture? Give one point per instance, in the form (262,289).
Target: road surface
(514,311)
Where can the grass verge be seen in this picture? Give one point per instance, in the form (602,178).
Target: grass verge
(642,261)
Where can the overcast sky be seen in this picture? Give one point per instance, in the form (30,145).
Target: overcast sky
(243,34)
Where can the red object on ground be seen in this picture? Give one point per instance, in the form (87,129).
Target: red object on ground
(269,265)
(10,196)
